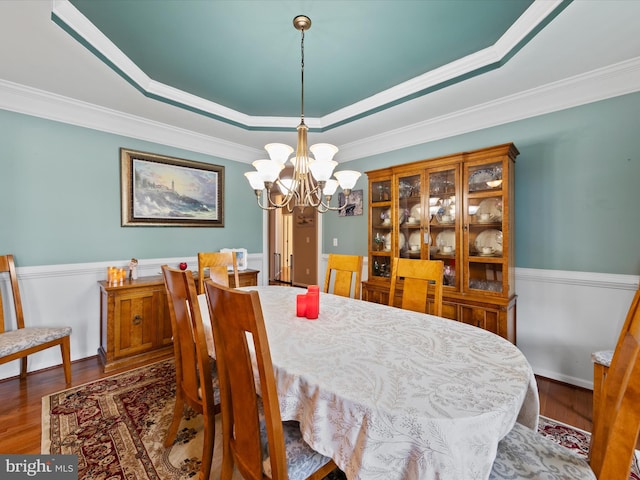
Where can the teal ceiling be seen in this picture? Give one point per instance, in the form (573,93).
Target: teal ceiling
(245,55)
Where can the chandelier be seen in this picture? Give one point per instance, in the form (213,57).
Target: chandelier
(310,184)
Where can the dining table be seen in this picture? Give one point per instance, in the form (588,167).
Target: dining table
(392,394)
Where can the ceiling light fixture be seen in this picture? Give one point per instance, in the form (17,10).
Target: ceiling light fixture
(311,183)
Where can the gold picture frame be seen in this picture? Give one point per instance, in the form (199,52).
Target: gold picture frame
(157,190)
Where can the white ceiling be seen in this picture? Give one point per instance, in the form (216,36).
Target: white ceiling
(589,51)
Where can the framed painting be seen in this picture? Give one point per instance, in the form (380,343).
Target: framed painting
(353,203)
(164,191)
(241,257)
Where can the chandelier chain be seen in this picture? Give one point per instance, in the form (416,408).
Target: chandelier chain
(302,76)
(311,184)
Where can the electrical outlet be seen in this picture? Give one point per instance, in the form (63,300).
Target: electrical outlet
(335,242)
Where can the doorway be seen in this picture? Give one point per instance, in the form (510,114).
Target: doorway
(293,246)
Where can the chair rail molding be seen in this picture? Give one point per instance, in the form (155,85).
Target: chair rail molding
(562,316)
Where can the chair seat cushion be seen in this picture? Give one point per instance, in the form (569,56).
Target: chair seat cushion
(525,453)
(24,338)
(302,460)
(215,380)
(603,357)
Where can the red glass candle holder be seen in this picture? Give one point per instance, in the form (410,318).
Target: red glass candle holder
(313,302)
(301,305)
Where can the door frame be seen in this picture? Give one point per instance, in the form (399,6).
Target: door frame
(265,248)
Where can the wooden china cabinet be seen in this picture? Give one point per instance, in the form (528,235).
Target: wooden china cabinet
(456,208)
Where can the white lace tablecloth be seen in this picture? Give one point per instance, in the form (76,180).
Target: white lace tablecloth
(393,394)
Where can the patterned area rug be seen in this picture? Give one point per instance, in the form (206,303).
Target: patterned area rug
(576,439)
(116,427)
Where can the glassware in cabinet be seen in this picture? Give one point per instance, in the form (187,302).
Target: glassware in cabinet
(444,220)
(380,226)
(409,213)
(381,191)
(485,239)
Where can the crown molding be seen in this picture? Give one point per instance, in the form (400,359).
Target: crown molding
(612,81)
(615,80)
(38,103)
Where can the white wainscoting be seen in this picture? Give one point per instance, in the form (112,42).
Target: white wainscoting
(561,316)
(70,295)
(564,316)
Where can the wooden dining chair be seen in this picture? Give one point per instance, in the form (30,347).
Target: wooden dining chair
(344,269)
(197,383)
(602,359)
(524,453)
(234,313)
(218,264)
(18,344)
(419,276)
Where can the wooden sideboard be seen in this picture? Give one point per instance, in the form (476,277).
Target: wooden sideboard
(135,326)
(248,278)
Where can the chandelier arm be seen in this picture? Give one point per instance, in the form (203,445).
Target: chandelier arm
(285,200)
(258,198)
(291,193)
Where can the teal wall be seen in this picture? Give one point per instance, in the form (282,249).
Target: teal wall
(60,199)
(577,187)
(577,193)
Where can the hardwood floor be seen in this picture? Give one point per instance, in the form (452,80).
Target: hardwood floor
(20,403)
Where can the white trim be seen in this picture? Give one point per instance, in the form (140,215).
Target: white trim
(146,267)
(31,101)
(571,380)
(587,279)
(612,81)
(562,316)
(615,80)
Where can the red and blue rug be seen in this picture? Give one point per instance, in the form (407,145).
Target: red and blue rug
(116,427)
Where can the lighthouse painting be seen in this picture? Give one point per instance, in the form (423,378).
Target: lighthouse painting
(165,191)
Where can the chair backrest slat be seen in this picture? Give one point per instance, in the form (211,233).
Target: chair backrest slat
(234,313)
(347,274)
(193,370)
(218,264)
(419,277)
(7,265)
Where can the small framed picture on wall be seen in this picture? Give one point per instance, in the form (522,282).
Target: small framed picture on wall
(241,256)
(353,203)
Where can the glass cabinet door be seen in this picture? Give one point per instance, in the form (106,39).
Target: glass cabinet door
(487,247)
(443,221)
(410,218)
(381,229)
